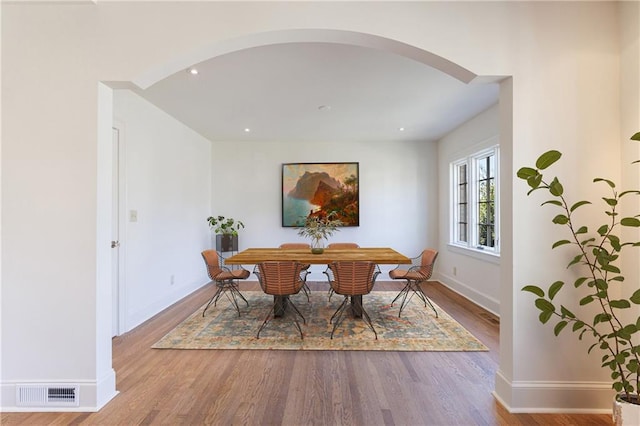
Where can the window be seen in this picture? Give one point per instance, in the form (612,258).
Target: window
(474,190)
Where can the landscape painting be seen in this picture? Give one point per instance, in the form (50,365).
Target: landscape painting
(317,189)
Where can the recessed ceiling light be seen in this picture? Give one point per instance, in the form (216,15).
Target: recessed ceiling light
(192,71)
(247,130)
(401,129)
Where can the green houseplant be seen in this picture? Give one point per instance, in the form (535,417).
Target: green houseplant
(225,226)
(599,281)
(319,228)
(226,230)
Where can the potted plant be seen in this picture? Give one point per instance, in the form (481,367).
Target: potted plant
(226,230)
(319,227)
(600,282)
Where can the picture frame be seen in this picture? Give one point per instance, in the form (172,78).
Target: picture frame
(319,189)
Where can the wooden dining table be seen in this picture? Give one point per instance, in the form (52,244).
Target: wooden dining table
(379,255)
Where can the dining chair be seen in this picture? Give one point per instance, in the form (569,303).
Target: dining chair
(305,266)
(417,272)
(343,245)
(226,279)
(351,279)
(340,246)
(281,280)
(295,246)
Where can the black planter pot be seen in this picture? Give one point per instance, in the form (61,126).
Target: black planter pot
(226,242)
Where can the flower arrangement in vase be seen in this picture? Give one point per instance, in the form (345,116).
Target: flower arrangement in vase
(319,227)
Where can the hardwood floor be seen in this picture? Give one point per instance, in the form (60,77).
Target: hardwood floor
(193,387)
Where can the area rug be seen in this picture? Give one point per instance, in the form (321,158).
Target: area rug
(417,330)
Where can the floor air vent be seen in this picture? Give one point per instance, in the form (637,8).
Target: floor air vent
(47,396)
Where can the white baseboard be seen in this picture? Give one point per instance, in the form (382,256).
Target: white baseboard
(93,395)
(488,303)
(554,397)
(132,320)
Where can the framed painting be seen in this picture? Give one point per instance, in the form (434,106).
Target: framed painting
(318,189)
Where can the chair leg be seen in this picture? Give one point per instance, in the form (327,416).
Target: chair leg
(295,308)
(272,312)
(214,298)
(339,315)
(418,290)
(306,290)
(367,319)
(232,298)
(232,293)
(266,320)
(342,307)
(403,293)
(305,286)
(295,321)
(234,287)
(415,289)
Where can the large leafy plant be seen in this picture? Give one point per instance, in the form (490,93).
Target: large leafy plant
(224,226)
(600,280)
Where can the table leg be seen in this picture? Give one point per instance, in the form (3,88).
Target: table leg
(279,305)
(356,306)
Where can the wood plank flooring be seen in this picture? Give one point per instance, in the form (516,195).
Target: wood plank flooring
(202,387)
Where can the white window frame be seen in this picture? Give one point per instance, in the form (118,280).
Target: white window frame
(471,161)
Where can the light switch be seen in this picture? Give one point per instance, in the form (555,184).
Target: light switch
(133,215)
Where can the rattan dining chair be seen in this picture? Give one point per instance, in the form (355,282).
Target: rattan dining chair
(418,272)
(352,279)
(226,279)
(346,246)
(295,246)
(305,266)
(342,245)
(281,280)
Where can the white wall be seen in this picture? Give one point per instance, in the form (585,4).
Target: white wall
(630,93)
(398,183)
(477,275)
(168,183)
(556,107)
(563,60)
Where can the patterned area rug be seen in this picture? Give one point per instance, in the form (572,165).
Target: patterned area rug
(417,330)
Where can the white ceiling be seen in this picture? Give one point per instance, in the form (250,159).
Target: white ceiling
(319,92)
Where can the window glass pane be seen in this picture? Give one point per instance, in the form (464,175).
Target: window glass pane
(462,217)
(482,168)
(492,190)
(482,213)
(462,173)
(482,235)
(492,166)
(486,236)
(462,193)
(488,220)
(462,213)
(482,191)
(462,232)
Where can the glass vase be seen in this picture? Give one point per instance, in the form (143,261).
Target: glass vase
(317,246)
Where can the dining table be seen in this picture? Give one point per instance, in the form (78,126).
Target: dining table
(378,255)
